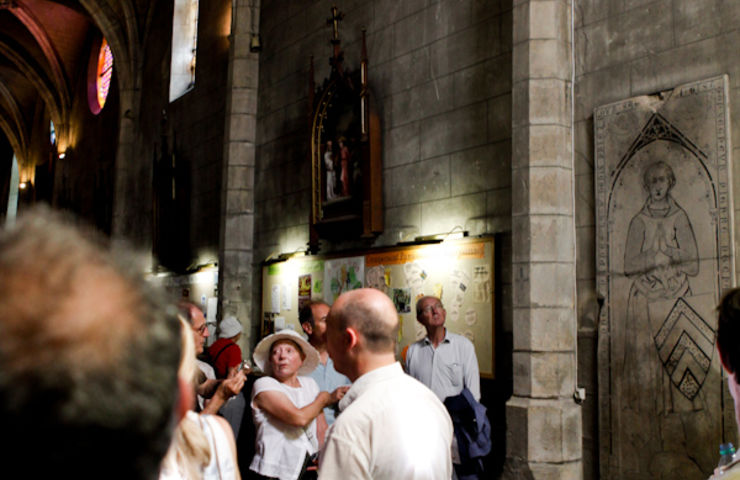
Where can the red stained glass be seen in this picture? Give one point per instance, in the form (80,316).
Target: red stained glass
(105,71)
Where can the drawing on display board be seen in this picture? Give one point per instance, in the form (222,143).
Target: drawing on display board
(481,284)
(402,299)
(664,255)
(451,271)
(378,277)
(342,275)
(454,296)
(415,277)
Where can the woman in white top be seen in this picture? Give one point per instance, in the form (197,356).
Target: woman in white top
(286,406)
(203,446)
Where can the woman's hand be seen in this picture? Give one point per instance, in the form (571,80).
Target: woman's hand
(338,394)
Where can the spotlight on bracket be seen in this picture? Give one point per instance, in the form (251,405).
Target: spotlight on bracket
(255,43)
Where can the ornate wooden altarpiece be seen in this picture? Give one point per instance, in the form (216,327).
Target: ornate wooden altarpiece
(346,170)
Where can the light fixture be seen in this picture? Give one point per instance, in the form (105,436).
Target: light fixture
(274,258)
(454,234)
(23,185)
(255,43)
(62,155)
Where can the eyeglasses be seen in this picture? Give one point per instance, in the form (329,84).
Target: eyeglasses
(429,308)
(202,329)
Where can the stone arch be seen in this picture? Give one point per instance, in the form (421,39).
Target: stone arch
(27,18)
(13,126)
(36,76)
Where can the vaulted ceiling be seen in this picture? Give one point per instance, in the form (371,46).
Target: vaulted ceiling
(43,45)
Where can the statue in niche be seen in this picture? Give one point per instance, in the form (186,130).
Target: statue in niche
(344,155)
(331,176)
(345,150)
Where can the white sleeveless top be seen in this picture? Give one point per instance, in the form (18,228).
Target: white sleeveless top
(280,449)
(222,465)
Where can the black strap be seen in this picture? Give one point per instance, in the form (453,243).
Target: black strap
(230,344)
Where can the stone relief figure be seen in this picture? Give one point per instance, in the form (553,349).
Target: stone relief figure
(660,252)
(330,173)
(664,255)
(660,256)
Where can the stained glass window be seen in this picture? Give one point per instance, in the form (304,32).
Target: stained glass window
(105,71)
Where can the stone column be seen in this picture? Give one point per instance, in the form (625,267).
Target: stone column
(132,198)
(236,243)
(543,420)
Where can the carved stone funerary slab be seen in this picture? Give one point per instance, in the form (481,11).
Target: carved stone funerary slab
(664,256)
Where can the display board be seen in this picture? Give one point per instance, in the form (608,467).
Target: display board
(459,272)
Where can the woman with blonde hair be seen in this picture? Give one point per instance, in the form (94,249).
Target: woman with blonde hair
(202,446)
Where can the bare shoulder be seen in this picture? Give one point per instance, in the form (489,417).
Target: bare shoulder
(224,425)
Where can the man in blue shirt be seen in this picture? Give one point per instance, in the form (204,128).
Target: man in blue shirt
(313,320)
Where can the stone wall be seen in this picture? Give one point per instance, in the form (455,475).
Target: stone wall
(198,120)
(625,49)
(83,179)
(441,75)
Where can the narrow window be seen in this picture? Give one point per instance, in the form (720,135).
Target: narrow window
(184,47)
(13,194)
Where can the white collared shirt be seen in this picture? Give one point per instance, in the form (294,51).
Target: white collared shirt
(391,427)
(447,368)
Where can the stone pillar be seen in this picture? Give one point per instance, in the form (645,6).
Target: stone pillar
(543,420)
(236,243)
(132,198)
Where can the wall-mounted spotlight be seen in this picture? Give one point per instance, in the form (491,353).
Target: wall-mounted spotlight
(255,43)
(23,185)
(62,155)
(456,233)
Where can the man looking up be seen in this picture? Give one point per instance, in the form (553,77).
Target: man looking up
(443,361)
(88,356)
(313,321)
(391,425)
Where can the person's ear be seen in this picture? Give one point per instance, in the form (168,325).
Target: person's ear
(723,358)
(307,328)
(352,337)
(185,399)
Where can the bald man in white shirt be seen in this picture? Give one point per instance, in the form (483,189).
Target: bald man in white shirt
(391,425)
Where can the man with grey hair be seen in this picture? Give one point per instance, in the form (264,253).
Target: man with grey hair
(391,425)
(88,357)
(443,361)
(220,396)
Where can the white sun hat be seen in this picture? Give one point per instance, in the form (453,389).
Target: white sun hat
(229,327)
(261,353)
